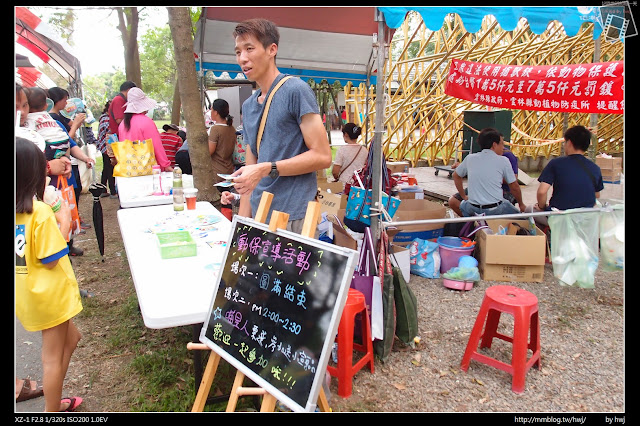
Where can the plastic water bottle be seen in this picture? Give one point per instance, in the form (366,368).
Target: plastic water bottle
(52,197)
(178,194)
(157,180)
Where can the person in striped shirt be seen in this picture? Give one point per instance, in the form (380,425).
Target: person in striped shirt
(171,141)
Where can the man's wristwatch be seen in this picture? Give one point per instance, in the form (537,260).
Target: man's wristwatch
(274,171)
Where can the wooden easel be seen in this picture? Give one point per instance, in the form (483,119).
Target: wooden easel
(278,220)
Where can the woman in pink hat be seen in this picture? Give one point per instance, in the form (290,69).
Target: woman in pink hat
(137,126)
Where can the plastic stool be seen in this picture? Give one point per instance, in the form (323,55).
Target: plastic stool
(345,369)
(523,305)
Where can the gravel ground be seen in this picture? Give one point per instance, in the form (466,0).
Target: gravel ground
(582,355)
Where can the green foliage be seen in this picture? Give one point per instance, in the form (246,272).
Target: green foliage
(157,64)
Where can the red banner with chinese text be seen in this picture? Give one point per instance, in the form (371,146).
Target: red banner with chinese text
(585,88)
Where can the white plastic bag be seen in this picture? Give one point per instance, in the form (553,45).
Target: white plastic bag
(612,238)
(574,247)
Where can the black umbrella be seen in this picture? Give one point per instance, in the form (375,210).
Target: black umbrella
(96,189)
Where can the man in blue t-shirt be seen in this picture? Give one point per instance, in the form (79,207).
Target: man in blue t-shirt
(294,143)
(576,180)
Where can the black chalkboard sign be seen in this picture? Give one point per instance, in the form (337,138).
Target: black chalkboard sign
(276,309)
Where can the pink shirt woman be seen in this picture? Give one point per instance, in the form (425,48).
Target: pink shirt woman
(137,126)
(143,128)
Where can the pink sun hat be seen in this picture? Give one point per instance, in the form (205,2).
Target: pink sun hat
(138,102)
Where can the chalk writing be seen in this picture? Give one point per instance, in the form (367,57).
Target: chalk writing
(274,306)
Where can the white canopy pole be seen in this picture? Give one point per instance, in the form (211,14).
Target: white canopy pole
(376,201)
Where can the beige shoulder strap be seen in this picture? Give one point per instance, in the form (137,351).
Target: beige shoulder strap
(266,112)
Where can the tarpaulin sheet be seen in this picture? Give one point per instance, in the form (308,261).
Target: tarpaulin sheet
(584,88)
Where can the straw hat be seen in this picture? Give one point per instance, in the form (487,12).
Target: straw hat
(138,102)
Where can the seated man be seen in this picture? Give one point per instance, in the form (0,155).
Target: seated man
(487,170)
(576,180)
(456,199)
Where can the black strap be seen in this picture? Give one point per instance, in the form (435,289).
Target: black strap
(584,167)
(351,162)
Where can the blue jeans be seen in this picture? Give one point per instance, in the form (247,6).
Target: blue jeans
(504,208)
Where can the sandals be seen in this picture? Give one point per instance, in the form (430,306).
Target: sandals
(29,392)
(73,403)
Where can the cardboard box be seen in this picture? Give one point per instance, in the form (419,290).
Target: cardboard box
(510,257)
(609,162)
(414,209)
(411,195)
(397,166)
(611,175)
(340,236)
(333,187)
(331,203)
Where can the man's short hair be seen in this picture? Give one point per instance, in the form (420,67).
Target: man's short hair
(127,85)
(579,136)
(488,137)
(264,30)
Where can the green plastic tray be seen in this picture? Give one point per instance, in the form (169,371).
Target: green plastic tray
(176,244)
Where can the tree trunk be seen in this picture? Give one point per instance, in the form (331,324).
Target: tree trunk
(128,26)
(180,25)
(175,108)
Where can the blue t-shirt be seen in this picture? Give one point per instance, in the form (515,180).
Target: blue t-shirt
(282,139)
(573,186)
(513,160)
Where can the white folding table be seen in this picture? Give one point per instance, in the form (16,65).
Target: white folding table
(173,292)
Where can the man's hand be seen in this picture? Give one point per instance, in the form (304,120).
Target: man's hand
(246,178)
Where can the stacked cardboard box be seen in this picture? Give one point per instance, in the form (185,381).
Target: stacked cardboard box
(510,257)
(611,168)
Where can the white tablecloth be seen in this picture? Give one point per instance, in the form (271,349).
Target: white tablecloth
(173,292)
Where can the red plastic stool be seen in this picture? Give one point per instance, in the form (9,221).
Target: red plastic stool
(523,305)
(345,369)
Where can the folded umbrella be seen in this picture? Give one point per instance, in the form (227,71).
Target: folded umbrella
(96,189)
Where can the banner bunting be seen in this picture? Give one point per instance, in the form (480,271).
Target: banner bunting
(584,88)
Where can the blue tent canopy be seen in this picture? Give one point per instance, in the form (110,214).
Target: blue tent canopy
(538,17)
(337,43)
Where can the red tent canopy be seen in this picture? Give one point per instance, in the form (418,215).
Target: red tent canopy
(40,40)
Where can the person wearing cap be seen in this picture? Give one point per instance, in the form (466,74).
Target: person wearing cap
(171,141)
(137,126)
(350,157)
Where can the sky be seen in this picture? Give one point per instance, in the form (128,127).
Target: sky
(97,41)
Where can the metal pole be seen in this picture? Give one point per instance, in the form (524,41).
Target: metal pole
(593,118)
(379,126)
(500,216)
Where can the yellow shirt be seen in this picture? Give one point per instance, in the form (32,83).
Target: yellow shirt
(44,297)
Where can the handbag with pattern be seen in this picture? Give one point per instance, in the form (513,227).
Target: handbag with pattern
(135,158)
